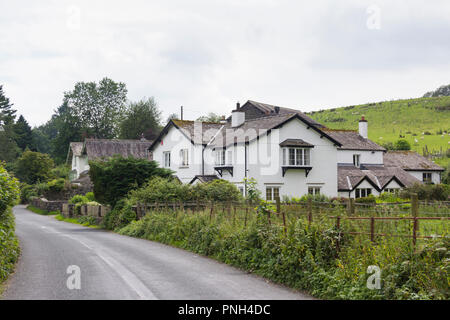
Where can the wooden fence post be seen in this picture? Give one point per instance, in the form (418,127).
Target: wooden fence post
(310,211)
(372,229)
(245,218)
(414,214)
(338,227)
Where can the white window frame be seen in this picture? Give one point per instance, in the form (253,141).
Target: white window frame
(357,160)
(362,192)
(314,190)
(184,158)
(272,193)
(220,157)
(296,157)
(426,174)
(229,157)
(166,159)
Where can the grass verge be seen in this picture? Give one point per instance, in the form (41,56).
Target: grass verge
(85,221)
(42,212)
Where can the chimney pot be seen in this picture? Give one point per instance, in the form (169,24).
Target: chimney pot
(238,105)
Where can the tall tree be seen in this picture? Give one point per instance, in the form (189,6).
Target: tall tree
(98,108)
(141,118)
(62,129)
(23,134)
(7,114)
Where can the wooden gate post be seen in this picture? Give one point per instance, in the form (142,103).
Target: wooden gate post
(338,227)
(372,229)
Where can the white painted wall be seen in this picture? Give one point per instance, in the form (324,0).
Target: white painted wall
(80,164)
(367,157)
(173,142)
(435,177)
(264,159)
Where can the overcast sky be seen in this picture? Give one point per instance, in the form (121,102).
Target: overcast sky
(206,55)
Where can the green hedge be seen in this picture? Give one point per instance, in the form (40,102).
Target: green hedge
(9,246)
(113,179)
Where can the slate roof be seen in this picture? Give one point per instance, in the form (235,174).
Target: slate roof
(378,176)
(196,131)
(253,128)
(352,140)
(409,160)
(104,148)
(75,150)
(205,178)
(270,109)
(295,143)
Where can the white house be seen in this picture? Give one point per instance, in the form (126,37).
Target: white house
(288,154)
(80,153)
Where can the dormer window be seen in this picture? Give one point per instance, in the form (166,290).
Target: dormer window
(356,160)
(296,157)
(220,157)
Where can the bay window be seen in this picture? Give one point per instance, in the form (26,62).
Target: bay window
(296,157)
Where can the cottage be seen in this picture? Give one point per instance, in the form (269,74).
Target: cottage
(285,151)
(80,153)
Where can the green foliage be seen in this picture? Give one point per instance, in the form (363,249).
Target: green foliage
(97,108)
(9,245)
(33,167)
(369,199)
(253,193)
(142,117)
(27,192)
(306,257)
(211,117)
(23,134)
(388,120)
(56,185)
(9,190)
(120,216)
(90,196)
(113,179)
(439,192)
(402,144)
(41,211)
(160,189)
(61,171)
(86,221)
(306,197)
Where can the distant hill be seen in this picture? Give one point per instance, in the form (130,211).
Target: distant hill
(443,91)
(424,122)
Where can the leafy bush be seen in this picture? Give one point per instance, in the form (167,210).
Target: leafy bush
(369,199)
(9,190)
(78,198)
(56,185)
(440,192)
(9,245)
(120,216)
(27,192)
(33,167)
(61,171)
(113,179)
(160,189)
(90,196)
(402,144)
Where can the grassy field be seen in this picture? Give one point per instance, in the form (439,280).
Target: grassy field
(423,122)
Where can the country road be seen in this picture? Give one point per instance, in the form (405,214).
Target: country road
(118,267)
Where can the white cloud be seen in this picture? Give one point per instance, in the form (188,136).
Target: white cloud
(206,55)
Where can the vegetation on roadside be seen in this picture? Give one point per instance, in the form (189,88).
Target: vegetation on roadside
(85,221)
(113,179)
(305,256)
(41,211)
(9,245)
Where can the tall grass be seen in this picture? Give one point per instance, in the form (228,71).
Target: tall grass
(304,254)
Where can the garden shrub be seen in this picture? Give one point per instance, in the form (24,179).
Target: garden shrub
(369,199)
(120,216)
(9,246)
(440,192)
(114,178)
(27,193)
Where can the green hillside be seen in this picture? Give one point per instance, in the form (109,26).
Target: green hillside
(424,122)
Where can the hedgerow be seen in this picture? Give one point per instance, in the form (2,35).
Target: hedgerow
(305,257)
(9,246)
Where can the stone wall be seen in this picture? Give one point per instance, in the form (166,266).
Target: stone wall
(46,205)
